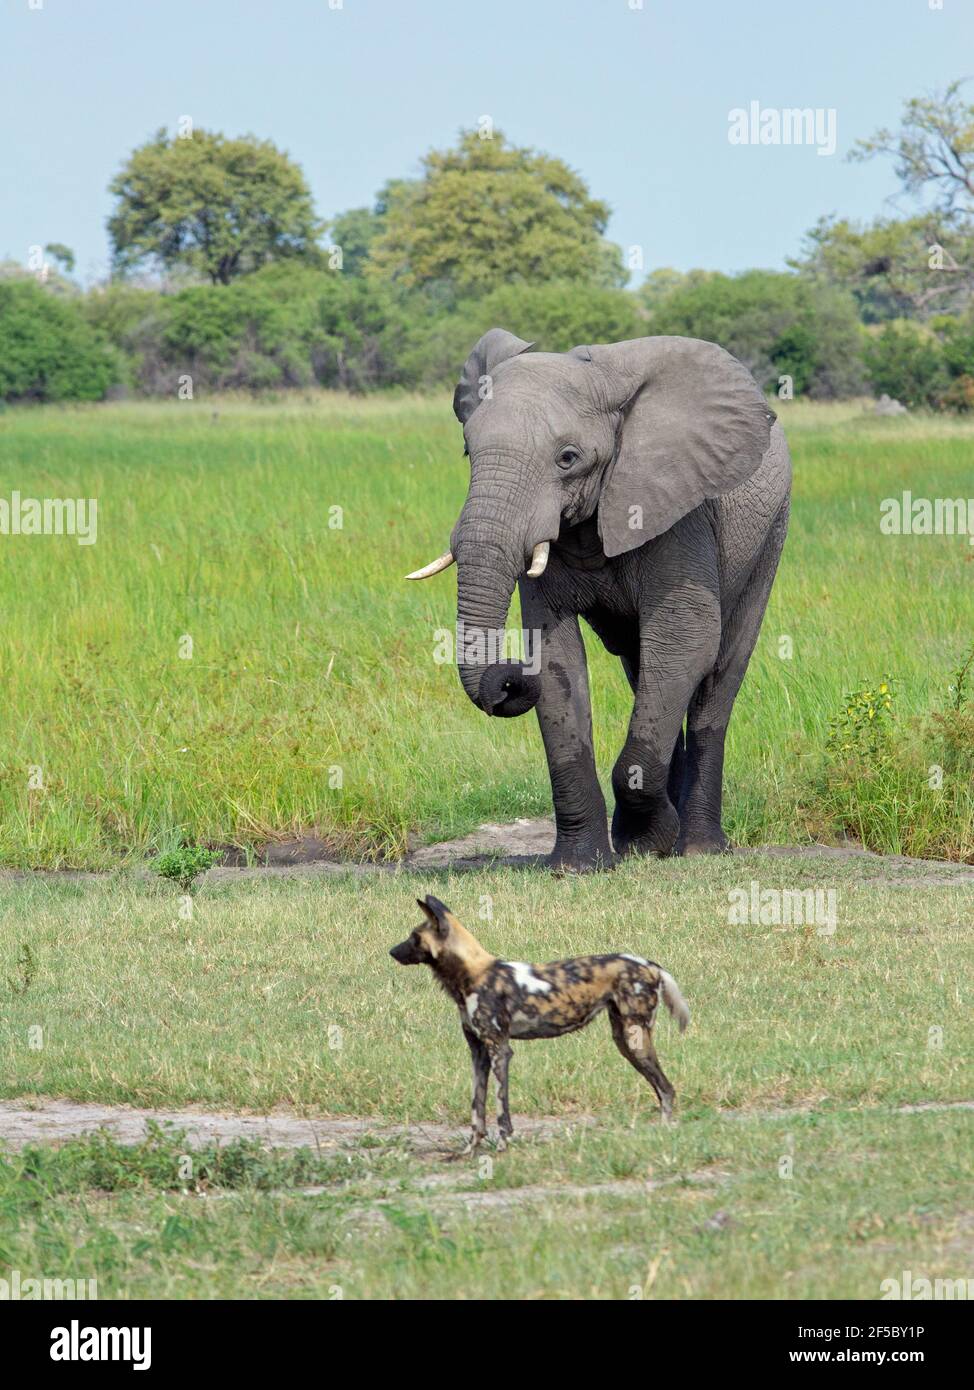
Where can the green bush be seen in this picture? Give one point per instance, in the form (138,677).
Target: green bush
(48,351)
(184,865)
(776,323)
(907,362)
(286,326)
(554,315)
(905,783)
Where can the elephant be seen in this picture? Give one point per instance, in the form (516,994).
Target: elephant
(645,487)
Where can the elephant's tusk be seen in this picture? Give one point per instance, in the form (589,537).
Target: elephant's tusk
(443,563)
(539,559)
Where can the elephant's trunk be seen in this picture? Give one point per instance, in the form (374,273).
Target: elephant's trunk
(490,543)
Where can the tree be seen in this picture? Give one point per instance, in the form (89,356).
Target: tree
(355,232)
(912,267)
(925,264)
(220,207)
(62,255)
(933,149)
(487,213)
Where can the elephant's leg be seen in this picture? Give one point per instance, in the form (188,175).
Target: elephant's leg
(710,709)
(565,717)
(679,640)
(674,783)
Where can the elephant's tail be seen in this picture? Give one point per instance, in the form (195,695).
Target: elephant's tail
(673,999)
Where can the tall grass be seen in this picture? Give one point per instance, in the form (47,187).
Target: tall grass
(312,698)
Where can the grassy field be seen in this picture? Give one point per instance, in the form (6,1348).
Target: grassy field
(792,1170)
(312,698)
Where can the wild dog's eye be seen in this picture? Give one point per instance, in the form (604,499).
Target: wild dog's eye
(567,457)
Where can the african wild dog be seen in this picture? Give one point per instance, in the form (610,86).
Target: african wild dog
(503,999)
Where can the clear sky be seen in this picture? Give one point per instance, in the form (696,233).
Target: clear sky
(637,99)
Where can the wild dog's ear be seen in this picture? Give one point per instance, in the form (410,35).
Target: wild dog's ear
(437,913)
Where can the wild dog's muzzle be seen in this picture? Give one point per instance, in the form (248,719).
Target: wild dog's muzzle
(406,953)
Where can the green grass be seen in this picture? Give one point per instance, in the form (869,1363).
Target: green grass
(791,1171)
(312,698)
(865,1199)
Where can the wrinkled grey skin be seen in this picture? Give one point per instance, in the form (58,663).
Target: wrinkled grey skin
(657,471)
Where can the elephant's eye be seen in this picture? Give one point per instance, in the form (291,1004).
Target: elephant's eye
(567,457)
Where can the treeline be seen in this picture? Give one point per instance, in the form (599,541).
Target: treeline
(223,275)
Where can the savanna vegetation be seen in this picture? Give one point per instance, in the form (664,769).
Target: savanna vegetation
(239,658)
(225,277)
(819,1147)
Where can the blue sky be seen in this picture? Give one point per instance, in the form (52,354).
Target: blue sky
(636,99)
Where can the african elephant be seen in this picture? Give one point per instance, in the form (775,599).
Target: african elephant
(644,486)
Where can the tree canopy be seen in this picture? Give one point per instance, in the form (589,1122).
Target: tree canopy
(216,206)
(933,149)
(486,213)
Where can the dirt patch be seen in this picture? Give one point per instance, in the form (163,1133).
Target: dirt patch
(54,1121)
(523,844)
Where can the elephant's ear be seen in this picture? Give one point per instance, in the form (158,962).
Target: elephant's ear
(495,347)
(693,424)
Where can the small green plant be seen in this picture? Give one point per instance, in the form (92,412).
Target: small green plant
(184,865)
(865,720)
(959,688)
(27,968)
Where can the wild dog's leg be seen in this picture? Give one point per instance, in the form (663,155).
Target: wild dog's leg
(500,1058)
(633,1036)
(480,1058)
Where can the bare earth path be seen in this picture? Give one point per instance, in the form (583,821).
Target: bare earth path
(52,1120)
(522,845)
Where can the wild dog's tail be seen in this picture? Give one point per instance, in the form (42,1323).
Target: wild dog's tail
(673,999)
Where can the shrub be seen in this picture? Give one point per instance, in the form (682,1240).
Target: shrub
(776,323)
(184,865)
(901,786)
(555,315)
(907,362)
(285,326)
(48,351)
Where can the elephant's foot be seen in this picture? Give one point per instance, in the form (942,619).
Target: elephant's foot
(702,841)
(647,832)
(580,857)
